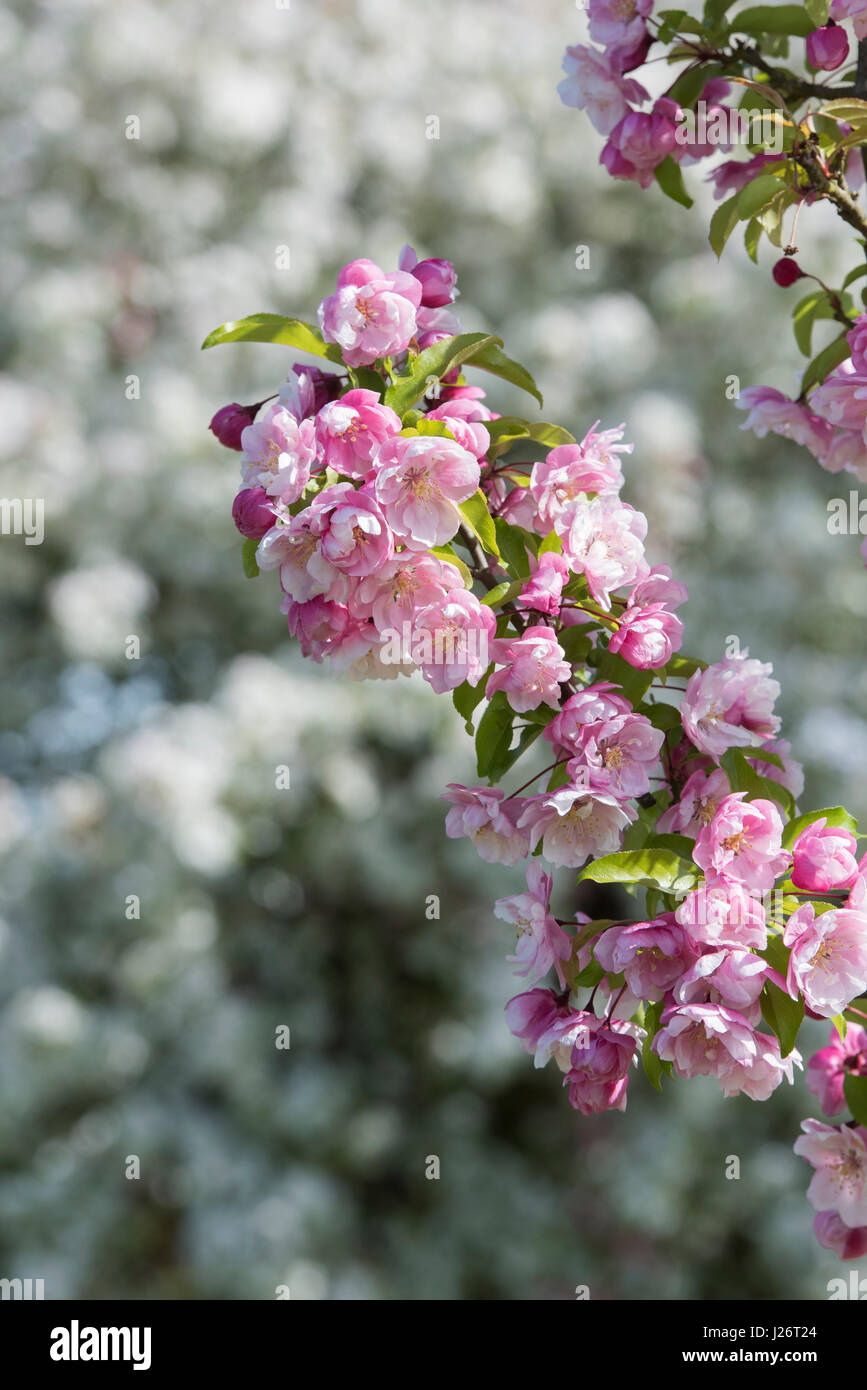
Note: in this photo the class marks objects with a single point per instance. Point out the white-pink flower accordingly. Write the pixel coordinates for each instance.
(734, 978)
(828, 961)
(730, 705)
(652, 956)
(450, 640)
(594, 705)
(710, 1040)
(721, 913)
(604, 539)
(420, 480)
(372, 314)
(542, 942)
(353, 534)
(349, 431)
(533, 668)
(594, 84)
(279, 454)
(700, 796)
(484, 816)
(839, 1156)
(617, 755)
(575, 824)
(410, 581)
(743, 842)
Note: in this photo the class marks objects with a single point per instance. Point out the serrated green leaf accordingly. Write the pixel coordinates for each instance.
(248, 558)
(743, 777)
(836, 816)
(432, 364)
(852, 110)
(782, 1014)
(477, 517)
(756, 195)
(752, 237)
(274, 328)
(669, 176)
(509, 428)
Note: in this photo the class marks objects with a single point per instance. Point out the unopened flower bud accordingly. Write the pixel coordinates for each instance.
(230, 421)
(252, 513)
(437, 279)
(828, 47)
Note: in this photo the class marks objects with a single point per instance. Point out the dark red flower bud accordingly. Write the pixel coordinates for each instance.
(786, 271)
(230, 420)
(253, 513)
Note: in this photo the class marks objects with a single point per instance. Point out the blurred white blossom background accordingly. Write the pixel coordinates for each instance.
(303, 126)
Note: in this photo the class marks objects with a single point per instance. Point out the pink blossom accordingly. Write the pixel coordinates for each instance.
(542, 591)
(824, 858)
(279, 454)
(730, 705)
(723, 913)
(790, 775)
(710, 1040)
(841, 400)
(253, 512)
(542, 942)
(533, 669)
(548, 1026)
(307, 389)
(647, 637)
(856, 10)
(318, 625)
(605, 542)
(857, 339)
(408, 582)
(700, 796)
(772, 410)
(742, 842)
(349, 430)
(849, 1242)
(641, 141)
(437, 278)
(839, 1157)
(432, 325)
(464, 420)
(847, 452)
(734, 174)
(372, 314)
(618, 22)
(734, 978)
(827, 47)
(599, 1071)
(420, 480)
(828, 961)
(485, 817)
(828, 1068)
(595, 704)
(652, 956)
(354, 535)
(594, 84)
(618, 755)
(292, 545)
(658, 586)
(575, 824)
(450, 640)
(574, 470)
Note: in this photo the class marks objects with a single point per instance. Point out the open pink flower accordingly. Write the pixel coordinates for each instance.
(730, 705)
(593, 705)
(372, 314)
(465, 420)
(618, 23)
(542, 942)
(709, 1040)
(824, 858)
(604, 540)
(828, 961)
(354, 535)
(771, 410)
(594, 84)
(543, 590)
(533, 668)
(279, 454)
(618, 755)
(723, 913)
(548, 1025)
(420, 479)
(848, 1242)
(410, 581)
(641, 141)
(450, 640)
(839, 1157)
(652, 956)
(647, 637)
(732, 977)
(482, 815)
(574, 824)
(571, 471)
(743, 842)
(827, 1069)
(349, 430)
(599, 1072)
(700, 796)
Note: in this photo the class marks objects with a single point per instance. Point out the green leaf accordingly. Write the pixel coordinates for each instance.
(274, 328)
(836, 816)
(248, 558)
(670, 179)
(745, 778)
(723, 223)
(575, 644)
(512, 542)
(689, 86)
(632, 682)
(855, 1091)
(492, 360)
(502, 593)
(653, 868)
(821, 366)
(782, 1014)
(849, 109)
(752, 237)
(854, 275)
(552, 543)
(818, 12)
(434, 362)
(424, 426)
(756, 195)
(839, 1022)
(477, 517)
(653, 1065)
(494, 736)
(661, 716)
(814, 305)
(773, 19)
(465, 699)
(682, 666)
(508, 428)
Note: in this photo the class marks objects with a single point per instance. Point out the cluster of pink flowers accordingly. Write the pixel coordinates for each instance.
(362, 511)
